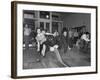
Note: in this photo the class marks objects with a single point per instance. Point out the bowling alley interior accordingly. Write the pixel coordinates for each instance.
(67, 39)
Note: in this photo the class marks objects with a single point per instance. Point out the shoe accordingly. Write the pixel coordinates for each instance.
(69, 48)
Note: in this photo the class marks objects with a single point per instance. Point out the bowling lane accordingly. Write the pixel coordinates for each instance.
(71, 58)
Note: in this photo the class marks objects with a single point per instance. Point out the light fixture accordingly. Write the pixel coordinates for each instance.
(47, 16)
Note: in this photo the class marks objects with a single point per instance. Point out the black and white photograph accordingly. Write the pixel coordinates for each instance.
(56, 39)
(53, 39)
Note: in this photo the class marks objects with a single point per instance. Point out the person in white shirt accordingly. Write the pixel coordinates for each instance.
(41, 40)
(27, 32)
(85, 37)
(84, 40)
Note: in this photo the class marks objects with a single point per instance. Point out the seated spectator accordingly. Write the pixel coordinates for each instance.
(84, 43)
(85, 37)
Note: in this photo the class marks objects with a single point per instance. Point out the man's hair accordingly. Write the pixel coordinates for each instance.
(37, 28)
(87, 33)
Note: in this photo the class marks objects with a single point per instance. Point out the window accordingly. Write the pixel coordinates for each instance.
(44, 14)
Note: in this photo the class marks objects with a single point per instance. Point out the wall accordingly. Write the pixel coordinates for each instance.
(5, 41)
(77, 20)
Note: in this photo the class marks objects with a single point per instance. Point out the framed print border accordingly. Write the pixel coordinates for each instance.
(14, 44)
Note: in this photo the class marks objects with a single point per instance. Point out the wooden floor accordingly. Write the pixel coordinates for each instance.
(72, 58)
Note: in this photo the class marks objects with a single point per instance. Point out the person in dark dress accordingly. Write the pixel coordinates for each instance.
(70, 39)
(75, 35)
(64, 40)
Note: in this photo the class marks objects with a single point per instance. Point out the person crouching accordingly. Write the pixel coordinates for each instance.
(41, 47)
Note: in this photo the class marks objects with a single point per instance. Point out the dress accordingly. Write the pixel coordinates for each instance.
(64, 42)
